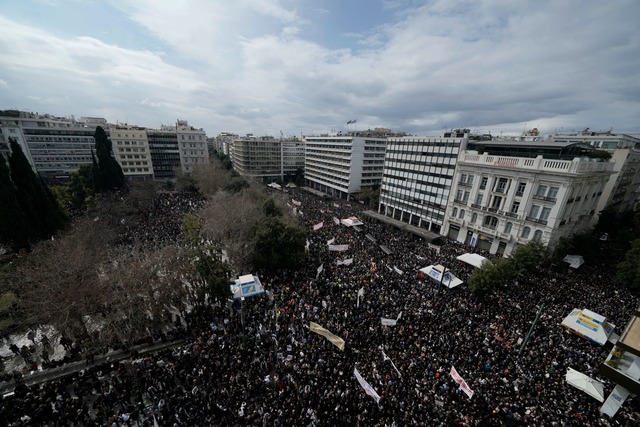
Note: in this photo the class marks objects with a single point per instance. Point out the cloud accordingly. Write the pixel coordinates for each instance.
(247, 66)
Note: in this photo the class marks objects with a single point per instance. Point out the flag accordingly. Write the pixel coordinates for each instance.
(461, 382)
(397, 270)
(330, 242)
(347, 261)
(318, 226)
(385, 357)
(320, 270)
(306, 246)
(335, 340)
(295, 202)
(349, 122)
(336, 221)
(338, 248)
(335, 205)
(155, 422)
(366, 386)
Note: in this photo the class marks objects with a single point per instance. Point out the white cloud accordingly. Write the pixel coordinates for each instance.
(251, 65)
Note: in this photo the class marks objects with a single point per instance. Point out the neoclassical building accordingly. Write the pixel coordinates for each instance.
(502, 200)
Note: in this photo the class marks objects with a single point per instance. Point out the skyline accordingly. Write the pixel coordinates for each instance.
(304, 67)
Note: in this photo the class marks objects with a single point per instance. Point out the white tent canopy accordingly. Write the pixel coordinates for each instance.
(473, 259)
(352, 221)
(435, 272)
(275, 185)
(588, 324)
(585, 383)
(574, 261)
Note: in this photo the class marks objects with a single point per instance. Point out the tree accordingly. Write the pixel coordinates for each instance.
(527, 258)
(13, 228)
(81, 186)
(628, 271)
(492, 276)
(110, 175)
(43, 214)
(211, 177)
(278, 244)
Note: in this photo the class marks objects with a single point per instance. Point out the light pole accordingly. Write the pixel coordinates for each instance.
(533, 325)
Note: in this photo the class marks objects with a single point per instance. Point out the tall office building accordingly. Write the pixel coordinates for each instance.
(55, 146)
(266, 158)
(417, 178)
(342, 165)
(164, 151)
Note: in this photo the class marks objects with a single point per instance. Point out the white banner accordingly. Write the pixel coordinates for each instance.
(330, 242)
(463, 384)
(388, 322)
(347, 261)
(306, 246)
(295, 211)
(295, 202)
(338, 248)
(336, 221)
(366, 386)
(320, 270)
(385, 357)
(360, 294)
(335, 205)
(318, 226)
(397, 270)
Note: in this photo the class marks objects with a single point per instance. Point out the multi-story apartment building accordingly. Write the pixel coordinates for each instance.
(164, 151)
(417, 177)
(193, 145)
(506, 193)
(622, 191)
(223, 142)
(266, 158)
(131, 150)
(55, 146)
(342, 165)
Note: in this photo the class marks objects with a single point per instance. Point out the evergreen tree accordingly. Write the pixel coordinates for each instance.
(109, 171)
(42, 212)
(12, 219)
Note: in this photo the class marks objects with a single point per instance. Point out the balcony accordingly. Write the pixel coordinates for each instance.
(476, 206)
(493, 209)
(519, 193)
(500, 190)
(545, 198)
(460, 201)
(536, 220)
(464, 184)
(511, 214)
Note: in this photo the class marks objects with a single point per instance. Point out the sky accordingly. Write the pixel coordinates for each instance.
(309, 66)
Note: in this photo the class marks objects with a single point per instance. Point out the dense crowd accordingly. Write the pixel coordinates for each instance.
(275, 372)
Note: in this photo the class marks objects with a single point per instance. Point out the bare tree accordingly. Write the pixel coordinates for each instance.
(211, 177)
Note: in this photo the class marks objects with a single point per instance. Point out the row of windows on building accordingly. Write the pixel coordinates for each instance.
(491, 222)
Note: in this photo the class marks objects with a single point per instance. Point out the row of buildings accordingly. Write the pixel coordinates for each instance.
(490, 193)
(487, 192)
(57, 146)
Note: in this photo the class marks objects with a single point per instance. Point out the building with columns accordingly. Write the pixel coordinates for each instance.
(500, 200)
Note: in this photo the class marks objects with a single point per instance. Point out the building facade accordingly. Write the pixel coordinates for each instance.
(193, 146)
(164, 151)
(343, 165)
(417, 178)
(131, 149)
(54, 146)
(622, 192)
(500, 202)
(267, 159)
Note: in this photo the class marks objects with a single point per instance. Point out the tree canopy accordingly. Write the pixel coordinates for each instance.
(109, 175)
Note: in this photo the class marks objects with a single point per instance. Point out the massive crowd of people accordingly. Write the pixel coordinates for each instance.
(259, 364)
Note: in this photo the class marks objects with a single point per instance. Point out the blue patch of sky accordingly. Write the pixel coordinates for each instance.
(70, 19)
(338, 24)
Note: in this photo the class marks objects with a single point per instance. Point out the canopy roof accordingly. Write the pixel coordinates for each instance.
(275, 185)
(588, 324)
(585, 383)
(435, 272)
(351, 221)
(473, 259)
(574, 261)
(246, 286)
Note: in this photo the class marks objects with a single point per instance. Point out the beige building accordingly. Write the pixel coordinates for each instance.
(192, 143)
(131, 150)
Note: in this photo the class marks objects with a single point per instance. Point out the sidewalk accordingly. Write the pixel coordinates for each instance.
(52, 374)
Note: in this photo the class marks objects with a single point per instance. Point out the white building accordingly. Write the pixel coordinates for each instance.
(192, 143)
(501, 201)
(266, 158)
(623, 189)
(131, 150)
(55, 146)
(417, 179)
(342, 165)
